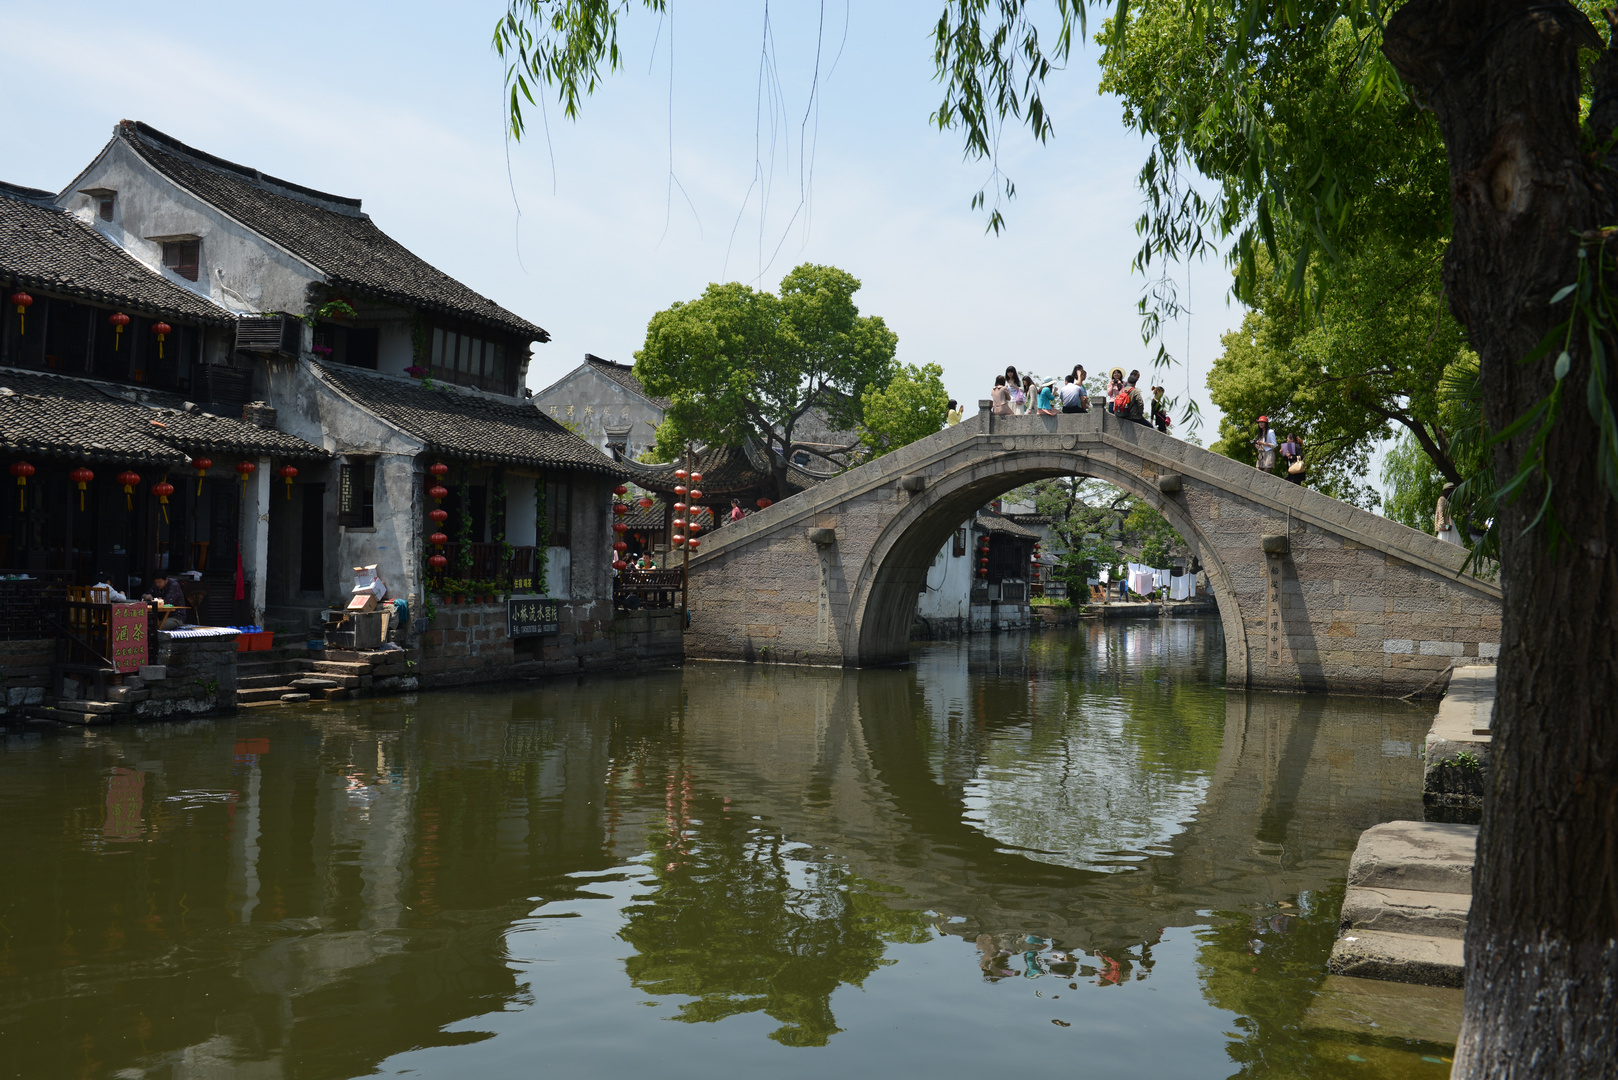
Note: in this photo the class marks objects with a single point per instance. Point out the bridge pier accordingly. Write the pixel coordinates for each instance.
(1315, 595)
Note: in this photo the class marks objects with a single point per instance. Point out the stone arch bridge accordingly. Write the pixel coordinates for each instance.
(1314, 594)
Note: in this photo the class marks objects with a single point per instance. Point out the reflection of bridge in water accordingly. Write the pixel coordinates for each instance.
(848, 771)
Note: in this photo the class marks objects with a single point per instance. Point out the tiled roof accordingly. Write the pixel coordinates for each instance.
(61, 416)
(994, 523)
(624, 376)
(327, 230)
(42, 247)
(463, 424)
(725, 470)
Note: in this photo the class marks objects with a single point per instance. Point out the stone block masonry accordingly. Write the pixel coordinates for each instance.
(467, 643)
(1314, 594)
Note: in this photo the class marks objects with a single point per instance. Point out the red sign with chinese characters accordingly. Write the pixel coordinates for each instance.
(128, 634)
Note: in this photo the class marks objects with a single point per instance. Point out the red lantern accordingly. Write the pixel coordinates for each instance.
(162, 330)
(440, 516)
(680, 474)
(130, 480)
(22, 471)
(678, 540)
(163, 489)
(696, 478)
(82, 477)
(679, 489)
(288, 473)
(678, 523)
(22, 300)
(619, 527)
(202, 465)
(620, 491)
(619, 545)
(438, 468)
(679, 508)
(119, 320)
(438, 562)
(646, 502)
(764, 504)
(693, 543)
(695, 494)
(439, 493)
(245, 469)
(438, 539)
(619, 564)
(693, 528)
(620, 508)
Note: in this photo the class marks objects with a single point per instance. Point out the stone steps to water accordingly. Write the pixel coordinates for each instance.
(1404, 914)
(1384, 1011)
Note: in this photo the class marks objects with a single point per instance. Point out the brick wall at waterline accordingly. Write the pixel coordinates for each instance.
(466, 643)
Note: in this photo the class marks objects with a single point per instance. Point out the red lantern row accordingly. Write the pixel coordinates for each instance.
(438, 515)
(130, 480)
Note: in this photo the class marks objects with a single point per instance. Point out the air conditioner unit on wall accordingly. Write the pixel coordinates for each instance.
(278, 334)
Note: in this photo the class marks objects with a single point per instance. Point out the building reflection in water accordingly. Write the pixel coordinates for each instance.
(313, 892)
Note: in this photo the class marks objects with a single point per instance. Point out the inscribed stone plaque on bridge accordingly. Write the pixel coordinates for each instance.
(1273, 618)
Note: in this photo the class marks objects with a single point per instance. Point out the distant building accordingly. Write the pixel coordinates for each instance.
(605, 405)
(979, 581)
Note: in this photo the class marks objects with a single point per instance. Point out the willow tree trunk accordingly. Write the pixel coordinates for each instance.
(1503, 80)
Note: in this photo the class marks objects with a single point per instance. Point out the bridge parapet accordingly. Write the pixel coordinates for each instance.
(1351, 602)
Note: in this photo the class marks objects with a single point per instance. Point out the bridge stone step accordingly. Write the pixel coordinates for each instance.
(1403, 911)
(1374, 954)
(1418, 856)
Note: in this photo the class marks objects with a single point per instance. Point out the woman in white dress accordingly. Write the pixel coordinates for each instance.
(1444, 521)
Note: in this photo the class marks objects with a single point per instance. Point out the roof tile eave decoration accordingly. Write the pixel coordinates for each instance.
(82, 419)
(327, 231)
(994, 523)
(725, 470)
(45, 248)
(457, 423)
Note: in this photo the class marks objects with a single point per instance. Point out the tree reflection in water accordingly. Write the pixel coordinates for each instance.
(741, 920)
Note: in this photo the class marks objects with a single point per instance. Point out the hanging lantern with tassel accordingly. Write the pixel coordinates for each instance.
(438, 562)
(696, 478)
(202, 465)
(163, 489)
(82, 477)
(119, 320)
(288, 473)
(693, 543)
(680, 474)
(764, 504)
(695, 494)
(438, 539)
(439, 517)
(677, 540)
(439, 493)
(645, 502)
(245, 469)
(162, 330)
(22, 471)
(130, 480)
(22, 300)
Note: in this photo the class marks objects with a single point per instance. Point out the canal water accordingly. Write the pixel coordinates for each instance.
(1067, 852)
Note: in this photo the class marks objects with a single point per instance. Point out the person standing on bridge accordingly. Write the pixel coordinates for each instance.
(1115, 386)
(1000, 397)
(953, 416)
(1160, 411)
(1444, 520)
(1015, 397)
(1265, 444)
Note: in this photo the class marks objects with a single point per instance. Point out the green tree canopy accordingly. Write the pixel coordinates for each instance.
(910, 407)
(740, 363)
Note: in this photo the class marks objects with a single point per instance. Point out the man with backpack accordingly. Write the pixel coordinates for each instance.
(1130, 402)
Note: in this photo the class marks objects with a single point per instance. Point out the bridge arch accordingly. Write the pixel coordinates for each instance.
(1314, 594)
(892, 575)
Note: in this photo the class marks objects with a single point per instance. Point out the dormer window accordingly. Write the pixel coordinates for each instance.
(181, 256)
(104, 205)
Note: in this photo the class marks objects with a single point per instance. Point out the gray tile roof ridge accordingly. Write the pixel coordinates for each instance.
(992, 522)
(350, 249)
(624, 376)
(85, 264)
(407, 404)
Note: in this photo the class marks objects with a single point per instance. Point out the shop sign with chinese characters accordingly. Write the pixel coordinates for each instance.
(128, 635)
(533, 616)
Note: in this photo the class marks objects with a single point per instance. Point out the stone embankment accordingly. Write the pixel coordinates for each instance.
(1457, 749)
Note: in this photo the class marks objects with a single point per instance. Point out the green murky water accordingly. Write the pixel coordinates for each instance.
(1070, 853)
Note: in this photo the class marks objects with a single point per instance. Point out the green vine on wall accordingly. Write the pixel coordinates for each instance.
(500, 493)
(542, 537)
(463, 527)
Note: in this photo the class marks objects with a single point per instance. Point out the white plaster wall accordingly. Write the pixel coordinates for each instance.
(395, 349)
(520, 509)
(255, 537)
(239, 269)
(559, 574)
(949, 585)
(583, 389)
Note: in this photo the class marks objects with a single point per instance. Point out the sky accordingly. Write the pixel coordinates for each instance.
(686, 167)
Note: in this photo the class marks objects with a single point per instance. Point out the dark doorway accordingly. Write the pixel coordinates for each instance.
(312, 540)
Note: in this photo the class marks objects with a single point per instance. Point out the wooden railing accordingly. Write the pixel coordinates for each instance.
(648, 588)
(489, 562)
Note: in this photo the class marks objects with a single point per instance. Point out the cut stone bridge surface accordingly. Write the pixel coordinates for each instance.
(1314, 594)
